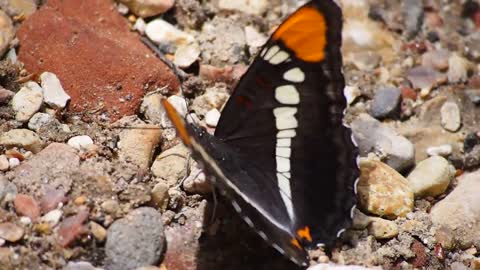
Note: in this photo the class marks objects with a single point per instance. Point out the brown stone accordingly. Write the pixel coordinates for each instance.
(27, 206)
(102, 65)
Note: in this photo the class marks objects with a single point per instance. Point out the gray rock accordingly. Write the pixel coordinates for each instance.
(458, 215)
(372, 136)
(431, 177)
(386, 102)
(450, 116)
(413, 15)
(39, 120)
(136, 240)
(27, 101)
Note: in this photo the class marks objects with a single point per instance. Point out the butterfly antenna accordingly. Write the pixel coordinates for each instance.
(215, 203)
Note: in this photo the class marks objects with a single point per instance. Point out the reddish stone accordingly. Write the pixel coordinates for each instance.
(27, 206)
(71, 228)
(101, 64)
(421, 258)
(229, 74)
(408, 92)
(51, 199)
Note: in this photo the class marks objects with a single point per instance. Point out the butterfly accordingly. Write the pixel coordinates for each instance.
(281, 153)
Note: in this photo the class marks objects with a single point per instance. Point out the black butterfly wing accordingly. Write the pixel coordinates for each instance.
(286, 117)
(257, 202)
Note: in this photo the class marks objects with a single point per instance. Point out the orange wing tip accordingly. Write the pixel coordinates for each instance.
(305, 234)
(295, 242)
(177, 122)
(305, 33)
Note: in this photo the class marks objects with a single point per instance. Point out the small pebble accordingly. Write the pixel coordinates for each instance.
(257, 7)
(160, 195)
(71, 228)
(24, 138)
(413, 12)
(451, 116)
(122, 9)
(360, 220)
(13, 162)
(471, 140)
(80, 142)
(431, 177)
(351, 93)
(171, 165)
(4, 163)
(52, 217)
(27, 206)
(39, 120)
(140, 26)
(425, 78)
(382, 229)
(197, 183)
(27, 101)
(5, 95)
(441, 150)
(110, 206)
(437, 59)
(98, 231)
(366, 61)
(162, 32)
(458, 69)
(186, 55)
(25, 220)
(7, 31)
(53, 93)
(212, 117)
(148, 8)
(386, 102)
(52, 199)
(80, 200)
(253, 37)
(80, 266)
(11, 232)
(179, 104)
(2, 242)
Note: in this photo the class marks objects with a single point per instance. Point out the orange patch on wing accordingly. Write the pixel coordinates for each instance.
(177, 122)
(296, 243)
(305, 33)
(305, 234)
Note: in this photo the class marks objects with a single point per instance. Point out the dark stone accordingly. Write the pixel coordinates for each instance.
(471, 140)
(413, 17)
(386, 103)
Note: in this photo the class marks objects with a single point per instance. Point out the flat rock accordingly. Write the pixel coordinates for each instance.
(451, 116)
(106, 57)
(130, 149)
(148, 8)
(171, 165)
(386, 102)
(10, 232)
(136, 240)
(53, 92)
(39, 120)
(24, 138)
(383, 191)
(53, 166)
(431, 176)
(7, 32)
(27, 101)
(372, 136)
(382, 229)
(458, 215)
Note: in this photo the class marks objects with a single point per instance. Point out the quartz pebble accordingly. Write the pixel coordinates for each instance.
(27, 101)
(431, 176)
(351, 93)
(162, 32)
(212, 117)
(80, 142)
(441, 150)
(24, 138)
(52, 217)
(383, 191)
(53, 92)
(450, 116)
(13, 162)
(148, 8)
(186, 55)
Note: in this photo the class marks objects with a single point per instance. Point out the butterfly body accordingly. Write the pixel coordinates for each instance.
(281, 153)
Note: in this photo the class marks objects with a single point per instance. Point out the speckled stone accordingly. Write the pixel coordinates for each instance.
(383, 191)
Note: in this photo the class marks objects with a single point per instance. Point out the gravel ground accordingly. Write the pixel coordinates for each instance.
(81, 84)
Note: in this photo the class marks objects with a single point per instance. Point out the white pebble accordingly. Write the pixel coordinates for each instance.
(441, 150)
(140, 26)
(122, 9)
(25, 220)
(13, 162)
(2, 242)
(186, 55)
(161, 32)
(351, 93)
(80, 142)
(27, 101)
(450, 116)
(53, 217)
(53, 92)
(179, 104)
(212, 117)
(254, 38)
(4, 164)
